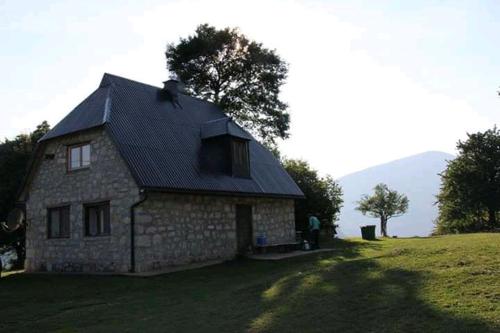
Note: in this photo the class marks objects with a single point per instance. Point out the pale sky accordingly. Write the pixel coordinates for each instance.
(369, 81)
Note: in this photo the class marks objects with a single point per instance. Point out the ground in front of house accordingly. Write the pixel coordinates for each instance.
(439, 284)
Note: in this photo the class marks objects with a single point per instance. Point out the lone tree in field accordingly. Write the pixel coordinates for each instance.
(469, 199)
(239, 75)
(384, 204)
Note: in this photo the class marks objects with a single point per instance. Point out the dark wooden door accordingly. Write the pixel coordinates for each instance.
(244, 228)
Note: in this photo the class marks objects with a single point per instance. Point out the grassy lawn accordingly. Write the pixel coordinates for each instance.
(439, 284)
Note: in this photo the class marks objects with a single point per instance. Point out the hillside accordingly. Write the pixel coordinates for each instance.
(416, 176)
(438, 284)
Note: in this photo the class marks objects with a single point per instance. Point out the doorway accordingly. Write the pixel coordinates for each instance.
(244, 232)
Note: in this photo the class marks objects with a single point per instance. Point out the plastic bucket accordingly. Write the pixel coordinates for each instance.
(261, 240)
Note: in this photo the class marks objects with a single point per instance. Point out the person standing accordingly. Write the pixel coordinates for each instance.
(334, 230)
(314, 226)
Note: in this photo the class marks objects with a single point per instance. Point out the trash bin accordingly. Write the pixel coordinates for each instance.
(368, 232)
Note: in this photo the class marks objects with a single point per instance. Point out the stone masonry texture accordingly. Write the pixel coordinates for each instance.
(107, 179)
(170, 229)
(174, 229)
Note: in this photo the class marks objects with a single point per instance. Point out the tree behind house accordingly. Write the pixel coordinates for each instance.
(469, 198)
(383, 204)
(239, 75)
(14, 158)
(323, 195)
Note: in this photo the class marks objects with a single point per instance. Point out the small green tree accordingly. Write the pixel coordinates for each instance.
(383, 204)
(323, 194)
(240, 75)
(469, 198)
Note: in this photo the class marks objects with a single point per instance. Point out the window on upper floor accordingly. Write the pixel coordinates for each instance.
(58, 222)
(225, 155)
(240, 158)
(97, 221)
(79, 156)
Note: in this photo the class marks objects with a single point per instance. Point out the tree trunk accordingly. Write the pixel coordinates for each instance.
(383, 226)
(492, 218)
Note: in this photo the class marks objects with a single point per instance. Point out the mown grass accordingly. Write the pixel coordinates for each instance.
(439, 284)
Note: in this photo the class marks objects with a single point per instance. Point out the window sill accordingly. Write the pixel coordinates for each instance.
(100, 237)
(78, 169)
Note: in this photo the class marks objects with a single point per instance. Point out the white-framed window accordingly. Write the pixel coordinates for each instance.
(58, 222)
(97, 219)
(79, 156)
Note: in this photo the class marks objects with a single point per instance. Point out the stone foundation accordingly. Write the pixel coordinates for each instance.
(176, 229)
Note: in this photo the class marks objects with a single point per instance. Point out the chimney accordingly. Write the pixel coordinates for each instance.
(173, 87)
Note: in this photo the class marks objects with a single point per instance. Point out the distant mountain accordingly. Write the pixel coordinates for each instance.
(416, 176)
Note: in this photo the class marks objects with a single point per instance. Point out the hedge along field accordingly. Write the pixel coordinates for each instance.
(438, 284)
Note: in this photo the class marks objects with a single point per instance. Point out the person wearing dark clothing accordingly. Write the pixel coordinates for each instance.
(314, 226)
(334, 230)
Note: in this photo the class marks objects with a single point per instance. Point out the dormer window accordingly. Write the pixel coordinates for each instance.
(240, 159)
(225, 148)
(79, 156)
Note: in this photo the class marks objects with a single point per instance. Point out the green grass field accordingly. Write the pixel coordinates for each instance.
(439, 284)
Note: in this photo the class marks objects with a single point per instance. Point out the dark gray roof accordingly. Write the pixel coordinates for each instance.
(89, 113)
(223, 126)
(161, 142)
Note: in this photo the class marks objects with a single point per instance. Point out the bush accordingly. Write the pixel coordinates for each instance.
(323, 195)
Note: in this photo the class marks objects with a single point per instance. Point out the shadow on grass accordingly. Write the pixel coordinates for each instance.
(339, 291)
(349, 248)
(355, 296)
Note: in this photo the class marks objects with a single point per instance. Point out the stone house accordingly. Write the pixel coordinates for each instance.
(138, 178)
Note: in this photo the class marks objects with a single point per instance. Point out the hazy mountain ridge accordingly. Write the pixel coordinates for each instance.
(416, 176)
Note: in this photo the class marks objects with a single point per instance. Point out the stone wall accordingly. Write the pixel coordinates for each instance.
(107, 179)
(174, 229)
(171, 229)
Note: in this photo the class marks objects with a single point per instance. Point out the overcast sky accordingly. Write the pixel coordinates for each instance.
(369, 81)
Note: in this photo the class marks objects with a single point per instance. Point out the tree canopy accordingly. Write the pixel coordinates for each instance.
(469, 198)
(14, 158)
(323, 194)
(241, 76)
(383, 204)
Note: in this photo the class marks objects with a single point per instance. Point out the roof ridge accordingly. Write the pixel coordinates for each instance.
(112, 79)
(107, 107)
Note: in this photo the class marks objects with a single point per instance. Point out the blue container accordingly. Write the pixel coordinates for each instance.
(261, 240)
